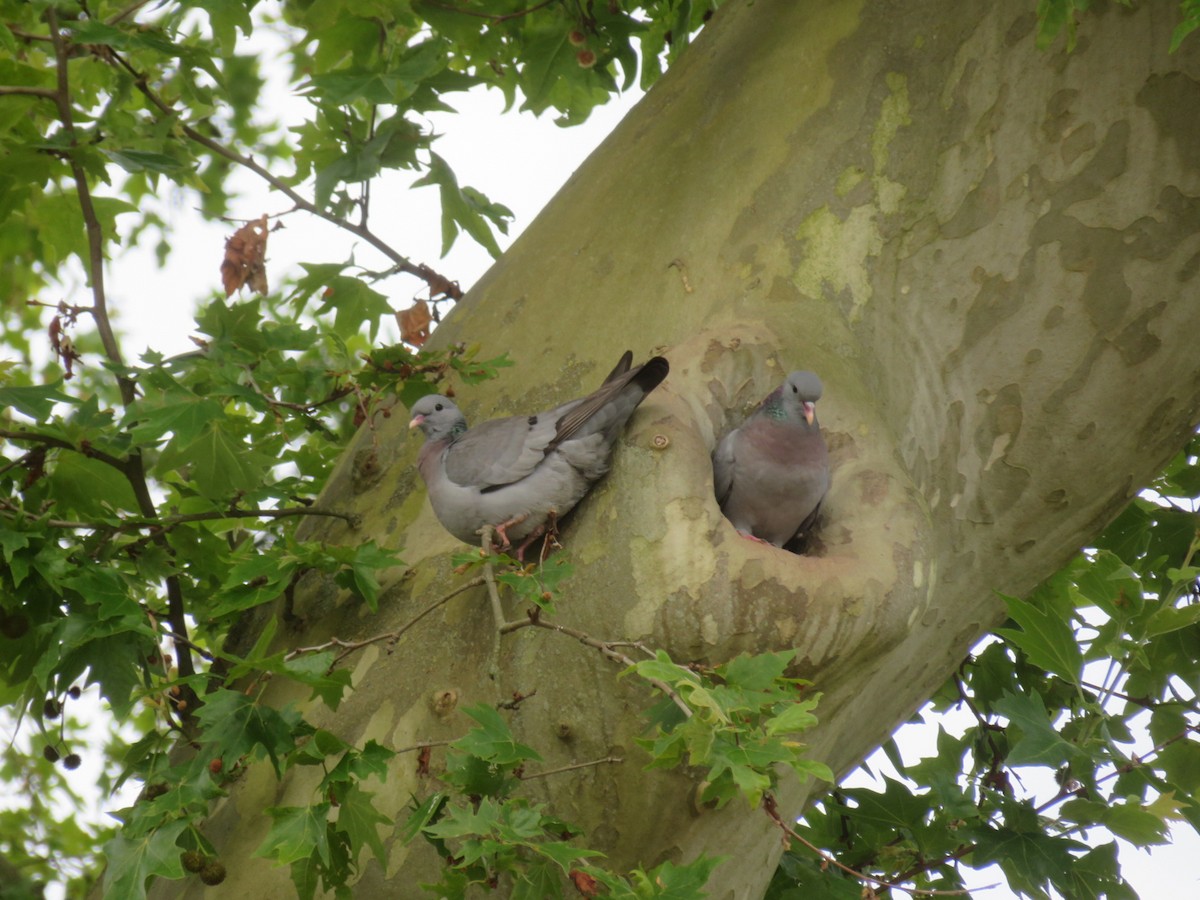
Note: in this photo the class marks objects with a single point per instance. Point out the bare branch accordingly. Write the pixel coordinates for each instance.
(28, 91)
(391, 637)
(47, 441)
(95, 235)
(572, 767)
(435, 281)
(423, 745)
(606, 648)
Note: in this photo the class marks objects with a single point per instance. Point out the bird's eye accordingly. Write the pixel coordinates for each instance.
(795, 390)
(439, 407)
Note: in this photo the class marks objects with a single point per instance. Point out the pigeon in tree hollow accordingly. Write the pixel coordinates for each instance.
(521, 473)
(772, 471)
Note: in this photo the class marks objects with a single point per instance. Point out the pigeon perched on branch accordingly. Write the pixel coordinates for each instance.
(521, 473)
(771, 472)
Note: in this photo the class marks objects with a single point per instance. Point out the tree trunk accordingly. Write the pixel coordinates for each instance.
(988, 252)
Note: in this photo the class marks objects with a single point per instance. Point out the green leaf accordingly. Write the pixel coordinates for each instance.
(1046, 637)
(354, 304)
(1030, 859)
(1172, 618)
(226, 18)
(132, 861)
(88, 487)
(425, 812)
(297, 833)
(465, 209)
(106, 589)
(60, 226)
(147, 161)
(1039, 743)
(758, 672)
(794, 719)
(1136, 824)
(492, 740)
(181, 413)
(234, 726)
(358, 817)
(895, 809)
(312, 669)
(35, 401)
(368, 559)
(664, 882)
(219, 462)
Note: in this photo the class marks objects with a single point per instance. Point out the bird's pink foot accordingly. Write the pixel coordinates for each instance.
(548, 528)
(751, 537)
(502, 532)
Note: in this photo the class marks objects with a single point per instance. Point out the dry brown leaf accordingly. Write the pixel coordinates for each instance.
(245, 261)
(414, 323)
(584, 883)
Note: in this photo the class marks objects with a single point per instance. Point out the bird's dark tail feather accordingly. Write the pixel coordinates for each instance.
(621, 367)
(646, 377)
(651, 374)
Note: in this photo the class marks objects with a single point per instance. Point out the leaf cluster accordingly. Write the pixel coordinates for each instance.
(1081, 725)
(1057, 17)
(491, 837)
(741, 722)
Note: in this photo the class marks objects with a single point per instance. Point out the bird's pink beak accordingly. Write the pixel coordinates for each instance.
(416, 420)
(809, 412)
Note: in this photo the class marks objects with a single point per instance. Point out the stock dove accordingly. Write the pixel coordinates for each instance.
(519, 474)
(771, 472)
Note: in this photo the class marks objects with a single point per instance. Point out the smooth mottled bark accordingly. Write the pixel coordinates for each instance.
(989, 253)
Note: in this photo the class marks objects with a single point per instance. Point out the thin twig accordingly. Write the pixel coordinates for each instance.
(181, 638)
(606, 648)
(572, 767)
(126, 12)
(772, 811)
(29, 36)
(402, 263)
(350, 519)
(349, 647)
(169, 522)
(95, 236)
(1119, 770)
(492, 17)
(423, 746)
(46, 440)
(28, 91)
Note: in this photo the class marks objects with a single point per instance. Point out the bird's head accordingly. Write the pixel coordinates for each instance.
(801, 391)
(437, 417)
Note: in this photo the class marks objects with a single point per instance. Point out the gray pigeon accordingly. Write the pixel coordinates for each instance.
(521, 473)
(771, 473)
